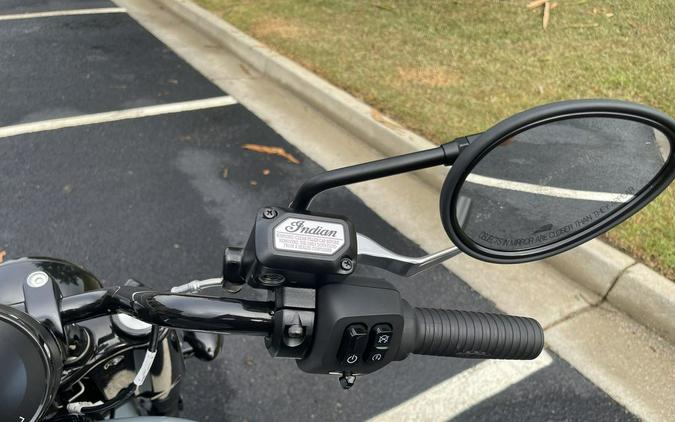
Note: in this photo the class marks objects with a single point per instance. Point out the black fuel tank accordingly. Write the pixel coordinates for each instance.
(71, 278)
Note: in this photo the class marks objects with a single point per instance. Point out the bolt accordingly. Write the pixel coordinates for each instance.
(271, 279)
(269, 213)
(37, 279)
(113, 362)
(347, 264)
(296, 331)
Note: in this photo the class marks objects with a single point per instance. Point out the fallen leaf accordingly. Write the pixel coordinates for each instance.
(264, 149)
(226, 172)
(245, 69)
(379, 117)
(266, 172)
(388, 9)
(609, 15)
(253, 183)
(173, 81)
(535, 3)
(3, 254)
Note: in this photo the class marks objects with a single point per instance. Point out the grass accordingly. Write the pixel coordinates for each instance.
(448, 68)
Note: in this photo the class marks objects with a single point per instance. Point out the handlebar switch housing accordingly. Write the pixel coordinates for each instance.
(286, 248)
(293, 322)
(359, 327)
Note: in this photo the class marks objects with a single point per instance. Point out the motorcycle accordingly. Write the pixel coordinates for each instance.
(539, 183)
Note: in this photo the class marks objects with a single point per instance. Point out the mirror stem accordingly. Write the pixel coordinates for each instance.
(445, 154)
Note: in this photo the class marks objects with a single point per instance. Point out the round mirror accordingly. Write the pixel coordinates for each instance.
(537, 186)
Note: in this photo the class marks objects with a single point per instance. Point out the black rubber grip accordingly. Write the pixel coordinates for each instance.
(442, 332)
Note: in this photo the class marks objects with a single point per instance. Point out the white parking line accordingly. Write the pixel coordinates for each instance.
(549, 190)
(63, 13)
(111, 116)
(465, 390)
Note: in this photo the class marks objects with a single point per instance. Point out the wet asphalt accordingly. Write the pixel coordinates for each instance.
(159, 198)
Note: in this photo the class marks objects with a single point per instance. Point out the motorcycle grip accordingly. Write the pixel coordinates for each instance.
(442, 332)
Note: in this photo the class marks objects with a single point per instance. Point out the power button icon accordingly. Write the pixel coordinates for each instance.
(352, 359)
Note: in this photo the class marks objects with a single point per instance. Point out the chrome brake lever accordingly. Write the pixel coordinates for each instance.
(372, 253)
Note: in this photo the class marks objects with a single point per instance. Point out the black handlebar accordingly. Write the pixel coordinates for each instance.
(441, 332)
(427, 331)
(187, 312)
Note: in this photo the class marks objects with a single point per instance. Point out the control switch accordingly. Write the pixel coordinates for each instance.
(380, 339)
(382, 335)
(353, 346)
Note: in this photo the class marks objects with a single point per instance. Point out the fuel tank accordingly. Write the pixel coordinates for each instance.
(70, 278)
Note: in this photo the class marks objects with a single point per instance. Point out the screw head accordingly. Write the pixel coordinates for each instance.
(346, 264)
(269, 213)
(37, 279)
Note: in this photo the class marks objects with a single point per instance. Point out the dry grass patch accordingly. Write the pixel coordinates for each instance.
(279, 28)
(435, 77)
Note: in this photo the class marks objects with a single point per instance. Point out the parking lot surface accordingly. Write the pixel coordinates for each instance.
(158, 198)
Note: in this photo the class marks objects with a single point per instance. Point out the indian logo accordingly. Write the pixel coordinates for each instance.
(298, 226)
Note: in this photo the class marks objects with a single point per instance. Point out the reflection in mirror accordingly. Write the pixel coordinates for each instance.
(554, 180)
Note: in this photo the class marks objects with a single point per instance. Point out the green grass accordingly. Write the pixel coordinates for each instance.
(448, 68)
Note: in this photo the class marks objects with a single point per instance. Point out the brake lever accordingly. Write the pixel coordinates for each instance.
(372, 253)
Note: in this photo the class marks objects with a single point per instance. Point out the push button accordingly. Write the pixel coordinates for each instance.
(375, 355)
(380, 339)
(382, 335)
(354, 343)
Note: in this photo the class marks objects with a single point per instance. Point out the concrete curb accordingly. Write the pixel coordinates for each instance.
(633, 288)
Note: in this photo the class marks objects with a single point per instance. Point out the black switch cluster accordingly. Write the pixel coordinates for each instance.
(357, 344)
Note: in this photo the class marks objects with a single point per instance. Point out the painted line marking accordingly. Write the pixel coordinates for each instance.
(73, 12)
(458, 394)
(111, 116)
(549, 190)
(662, 143)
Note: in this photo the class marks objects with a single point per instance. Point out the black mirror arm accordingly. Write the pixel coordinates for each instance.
(445, 154)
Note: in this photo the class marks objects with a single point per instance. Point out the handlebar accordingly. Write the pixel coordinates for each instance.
(442, 332)
(187, 312)
(287, 322)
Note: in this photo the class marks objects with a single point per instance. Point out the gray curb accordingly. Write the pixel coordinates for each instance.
(637, 290)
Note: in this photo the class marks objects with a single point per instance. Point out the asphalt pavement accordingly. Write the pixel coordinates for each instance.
(158, 198)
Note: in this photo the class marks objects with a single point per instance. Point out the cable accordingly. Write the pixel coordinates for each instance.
(88, 408)
(76, 376)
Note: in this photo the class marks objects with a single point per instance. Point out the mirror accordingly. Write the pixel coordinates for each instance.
(548, 186)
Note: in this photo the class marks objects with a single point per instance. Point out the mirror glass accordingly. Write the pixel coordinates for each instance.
(554, 180)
